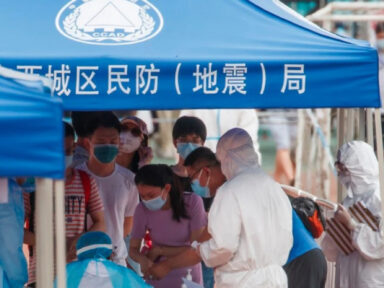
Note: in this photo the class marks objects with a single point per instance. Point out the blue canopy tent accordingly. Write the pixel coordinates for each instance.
(31, 130)
(125, 54)
(172, 54)
(31, 141)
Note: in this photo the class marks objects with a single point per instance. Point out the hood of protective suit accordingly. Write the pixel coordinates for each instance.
(362, 175)
(236, 153)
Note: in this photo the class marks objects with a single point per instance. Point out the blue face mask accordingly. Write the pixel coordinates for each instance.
(155, 203)
(105, 153)
(202, 191)
(184, 149)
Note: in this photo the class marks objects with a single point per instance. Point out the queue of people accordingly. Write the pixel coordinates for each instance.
(215, 217)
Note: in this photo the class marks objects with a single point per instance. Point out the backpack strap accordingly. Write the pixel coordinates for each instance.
(86, 182)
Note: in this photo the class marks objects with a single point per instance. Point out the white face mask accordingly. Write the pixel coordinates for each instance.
(128, 142)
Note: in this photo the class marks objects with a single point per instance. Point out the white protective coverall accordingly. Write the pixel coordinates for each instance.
(219, 121)
(250, 220)
(365, 267)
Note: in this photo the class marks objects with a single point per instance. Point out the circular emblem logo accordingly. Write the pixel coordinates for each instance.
(109, 22)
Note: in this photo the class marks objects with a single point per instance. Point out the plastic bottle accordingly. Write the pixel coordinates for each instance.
(188, 277)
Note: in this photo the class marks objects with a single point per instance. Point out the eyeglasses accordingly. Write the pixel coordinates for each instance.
(135, 131)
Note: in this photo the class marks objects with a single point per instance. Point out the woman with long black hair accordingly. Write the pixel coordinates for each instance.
(173, 218)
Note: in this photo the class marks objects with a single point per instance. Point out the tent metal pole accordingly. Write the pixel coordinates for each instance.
(350, 132)
(370, 127)
(379, 146)
(340, 141)
(362, 125)
(44, 233)
(299, 148)
(60, 233)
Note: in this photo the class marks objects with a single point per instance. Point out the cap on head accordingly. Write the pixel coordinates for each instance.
(137, 122)
(94, 244)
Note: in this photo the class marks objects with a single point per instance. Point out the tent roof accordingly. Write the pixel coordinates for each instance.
(31, 136)
(326, 70)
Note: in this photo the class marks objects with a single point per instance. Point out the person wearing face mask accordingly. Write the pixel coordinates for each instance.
(189, 133)
(206, 176)
(173, 218)
(358, 171)
(134, 151)
(249, 249)
(116, 184)
(81, 198)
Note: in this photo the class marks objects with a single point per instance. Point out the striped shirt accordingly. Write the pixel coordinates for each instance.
(75, 212)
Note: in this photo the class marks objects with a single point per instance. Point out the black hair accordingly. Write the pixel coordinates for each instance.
(104, 119)
(80, 120)
(201, 154)
(189, 125)
(379, 27)
(159, 175)
(68, 130)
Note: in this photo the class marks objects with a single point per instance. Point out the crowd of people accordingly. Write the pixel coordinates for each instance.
(215, 217)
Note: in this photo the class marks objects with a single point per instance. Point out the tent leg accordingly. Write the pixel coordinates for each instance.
(379, 145)
(340, 141)
(370, 127)
(60, 233)
(299, 147)
(362, 125)
(350, 131)
(44, 233)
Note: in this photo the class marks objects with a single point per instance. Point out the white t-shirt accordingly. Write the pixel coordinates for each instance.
(120, 198)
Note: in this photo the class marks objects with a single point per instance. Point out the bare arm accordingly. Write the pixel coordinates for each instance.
(98, 221)
(187, 258)
(134, 253)
(98, 225)
(128, 223)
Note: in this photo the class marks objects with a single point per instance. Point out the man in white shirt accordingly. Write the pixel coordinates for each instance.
(116, 184)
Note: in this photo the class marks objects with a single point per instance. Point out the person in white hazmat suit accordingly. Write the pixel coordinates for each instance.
(358, 171)
(250, 223)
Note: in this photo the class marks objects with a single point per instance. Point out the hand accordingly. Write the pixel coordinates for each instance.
(342, 215)
(71, 249)
(159, 271)
(145, 264)
(154, 253)
(145, 156)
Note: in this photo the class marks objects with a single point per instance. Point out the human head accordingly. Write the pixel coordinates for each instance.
(157, 181)
(188, 134)
(80, 121)
(236, 152)
(94, 244)
(104, 137)
(134, 133)
(69, 143)
(202, 166)
(357, 168)
(380, 36)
